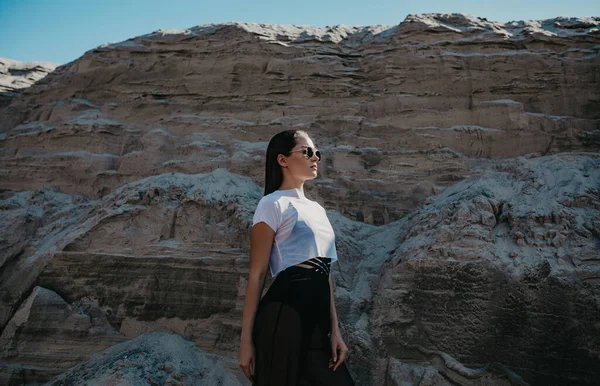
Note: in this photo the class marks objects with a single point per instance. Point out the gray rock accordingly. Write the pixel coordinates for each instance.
(155, 358)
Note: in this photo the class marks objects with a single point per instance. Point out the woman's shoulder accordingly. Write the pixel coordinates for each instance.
(271, 199)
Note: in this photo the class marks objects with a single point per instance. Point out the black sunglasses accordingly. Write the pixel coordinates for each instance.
(309, 152)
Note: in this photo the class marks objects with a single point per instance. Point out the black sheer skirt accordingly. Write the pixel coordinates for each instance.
(291, 330)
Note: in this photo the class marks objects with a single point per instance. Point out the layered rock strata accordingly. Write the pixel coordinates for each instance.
(16, 76)
(47, 336)
(392, 107)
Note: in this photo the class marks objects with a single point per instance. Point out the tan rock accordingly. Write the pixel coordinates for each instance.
(47, 335)
(392, 107)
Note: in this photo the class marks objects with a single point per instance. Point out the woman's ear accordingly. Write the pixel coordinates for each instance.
(282, 161)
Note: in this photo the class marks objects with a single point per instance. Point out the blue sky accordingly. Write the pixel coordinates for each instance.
(62, 30)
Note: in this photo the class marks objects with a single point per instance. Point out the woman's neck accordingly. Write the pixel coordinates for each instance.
(286, 185)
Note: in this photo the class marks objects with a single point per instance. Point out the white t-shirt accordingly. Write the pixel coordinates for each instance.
(302, 229)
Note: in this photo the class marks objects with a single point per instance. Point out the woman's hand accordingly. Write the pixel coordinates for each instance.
(338, 350)
(247, 359)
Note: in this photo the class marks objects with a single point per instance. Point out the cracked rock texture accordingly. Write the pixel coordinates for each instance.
(461, 175)
(502, 268)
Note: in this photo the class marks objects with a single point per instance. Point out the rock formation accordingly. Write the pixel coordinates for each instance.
(47, 336)
(460, 175)
(153, 358)
(16, 76)
(501, 264)
(390, 106)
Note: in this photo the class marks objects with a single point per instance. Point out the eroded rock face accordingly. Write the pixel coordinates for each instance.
(16, 76)
(394, 108)
(46, 336)
(443, 370)
(35, 225)
(129, 178)
(154, 358)
(200, 222)
(502, 264)
(185, 271)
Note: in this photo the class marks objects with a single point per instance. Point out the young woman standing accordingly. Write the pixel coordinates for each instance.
(292, 333)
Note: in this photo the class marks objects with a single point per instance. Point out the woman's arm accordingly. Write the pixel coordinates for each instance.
(338, 347)
(260, 251)
(334, 320)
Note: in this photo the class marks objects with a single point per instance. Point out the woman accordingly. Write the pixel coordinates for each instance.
(292, 333)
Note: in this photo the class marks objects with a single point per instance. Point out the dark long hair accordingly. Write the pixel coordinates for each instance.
(281, 143)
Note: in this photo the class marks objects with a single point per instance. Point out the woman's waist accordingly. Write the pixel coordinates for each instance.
(285, 257)
(299, 284)
(297, 273)
(316, 265)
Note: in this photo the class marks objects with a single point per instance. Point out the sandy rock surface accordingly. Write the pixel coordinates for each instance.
(47, 336)
(395, 109)
(460, 175)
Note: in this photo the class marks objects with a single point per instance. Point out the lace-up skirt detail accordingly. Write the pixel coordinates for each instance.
(321, 265)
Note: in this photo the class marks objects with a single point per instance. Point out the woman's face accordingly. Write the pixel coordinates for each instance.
(298, 164)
